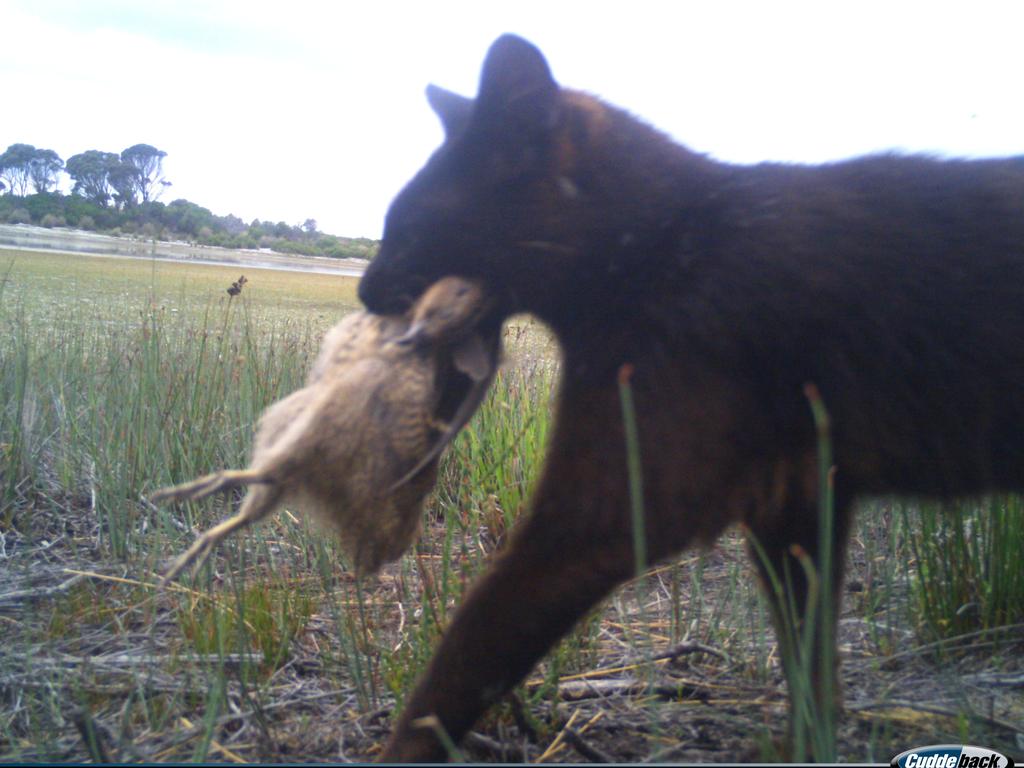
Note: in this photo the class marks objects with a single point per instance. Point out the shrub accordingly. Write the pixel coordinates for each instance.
(39, 205)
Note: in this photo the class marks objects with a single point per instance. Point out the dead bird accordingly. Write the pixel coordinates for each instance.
(358, 445)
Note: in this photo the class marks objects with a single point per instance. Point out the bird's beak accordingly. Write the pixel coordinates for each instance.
(411, 336)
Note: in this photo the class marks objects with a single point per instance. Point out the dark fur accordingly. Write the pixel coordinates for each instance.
(895, 284)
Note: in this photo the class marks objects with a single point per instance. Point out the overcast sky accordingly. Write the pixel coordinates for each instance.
(290, 110)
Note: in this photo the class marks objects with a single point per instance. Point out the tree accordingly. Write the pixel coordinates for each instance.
(121, 178)
(189, 218)
(23, 166)
(233, 225)
(147, 162)
(43, 169)
(309, 225)
(90, 170)
(16, 168)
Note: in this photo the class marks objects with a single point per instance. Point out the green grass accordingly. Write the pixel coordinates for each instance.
(969, 574)
(119, 376)
(807, 630)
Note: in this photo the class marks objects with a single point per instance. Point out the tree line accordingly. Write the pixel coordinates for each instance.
(118, 193)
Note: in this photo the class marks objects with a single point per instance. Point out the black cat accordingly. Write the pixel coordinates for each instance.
(894, 284)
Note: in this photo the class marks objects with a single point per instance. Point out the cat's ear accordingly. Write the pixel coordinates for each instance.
(453, 109)
(517, 90)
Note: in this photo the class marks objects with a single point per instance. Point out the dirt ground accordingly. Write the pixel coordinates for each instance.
(637, 700)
